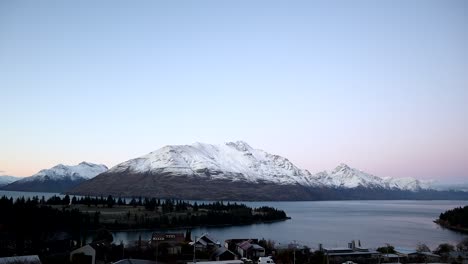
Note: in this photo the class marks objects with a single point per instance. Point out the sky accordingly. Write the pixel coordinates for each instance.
(379, 85)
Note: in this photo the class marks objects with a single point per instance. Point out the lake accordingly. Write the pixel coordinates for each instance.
(334, 223)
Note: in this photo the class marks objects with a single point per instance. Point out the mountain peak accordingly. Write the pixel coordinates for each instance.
(58, 178)
(239, 145)
(342, 167)
(235, 161)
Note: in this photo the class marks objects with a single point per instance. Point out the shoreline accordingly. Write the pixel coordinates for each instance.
(192, 227)
(453, 228)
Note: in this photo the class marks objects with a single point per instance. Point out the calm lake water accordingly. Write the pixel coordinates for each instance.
(334, 223)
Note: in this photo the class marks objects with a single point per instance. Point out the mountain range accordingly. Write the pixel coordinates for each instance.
(236, 171)
(230, 171)
(59, 178)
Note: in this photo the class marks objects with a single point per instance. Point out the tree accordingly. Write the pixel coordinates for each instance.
(103, 235)
(110, 201)
(66, 200)
(463, 245)
(96, 218)
(389, 249)
(423, 248)
(444, 249)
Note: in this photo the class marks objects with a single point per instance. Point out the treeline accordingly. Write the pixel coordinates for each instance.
(457, 217)
(31, 225)
(176, 213)
(167, 213)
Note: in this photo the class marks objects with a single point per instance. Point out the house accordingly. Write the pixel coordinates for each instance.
(248, 249)
(223, 253)
(205, 243)
(32, 259)
(351, 253)
(411, 255)
(85, 254)
(169, 242)
(231, 244)
(390, 258)
(95, 252)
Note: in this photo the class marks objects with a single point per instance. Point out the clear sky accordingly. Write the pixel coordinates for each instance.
(380, 85)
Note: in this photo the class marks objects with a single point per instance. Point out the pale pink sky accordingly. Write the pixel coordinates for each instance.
(382, 86)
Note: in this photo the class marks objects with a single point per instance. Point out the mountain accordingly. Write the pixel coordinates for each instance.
(236, 171)
(451, 186)
(344, 176)
(58, 178)
(233, 161)
(4, 179)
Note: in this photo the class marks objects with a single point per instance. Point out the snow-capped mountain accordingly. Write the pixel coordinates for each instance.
(58, 178)
(84, 170)
(4, 179)
(235, 161)
(408, 183)
(238, 161)
(236, 171)
(344, 176)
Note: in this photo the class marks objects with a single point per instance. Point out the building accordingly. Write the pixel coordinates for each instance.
(248, 249)
(223, 253)
(231, 244)
(353, 252)
(85, 254)
(205, 243)
(169, 242)
(390, 258)
(411, 255)
(32, 259)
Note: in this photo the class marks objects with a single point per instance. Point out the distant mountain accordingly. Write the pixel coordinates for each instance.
(58, 178)
(236, 171)
(4, 179)
(344, 176)
(451, 186)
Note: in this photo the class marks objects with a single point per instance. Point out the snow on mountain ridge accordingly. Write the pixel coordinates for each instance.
(83, 170)
(231, 161)
(6, 179)
(347, 177)
(238, 161)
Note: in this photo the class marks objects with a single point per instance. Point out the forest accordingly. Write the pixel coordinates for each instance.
(456, 218)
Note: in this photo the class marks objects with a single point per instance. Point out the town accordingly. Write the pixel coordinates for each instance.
(184, 247)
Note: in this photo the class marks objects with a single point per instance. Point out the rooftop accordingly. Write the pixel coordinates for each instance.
(32, 259)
